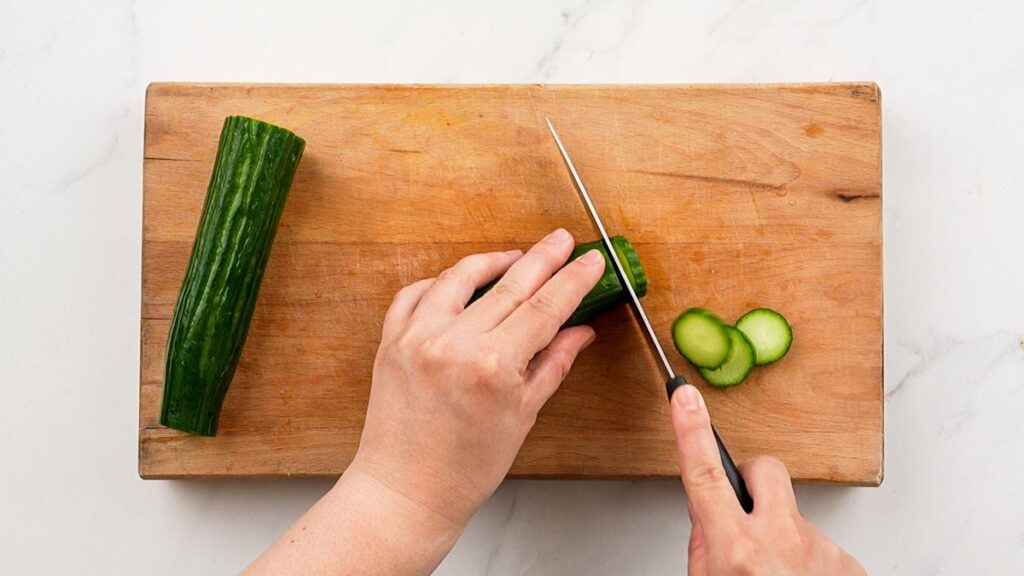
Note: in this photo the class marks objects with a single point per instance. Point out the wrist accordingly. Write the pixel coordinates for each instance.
(423, 481)
(402, 520)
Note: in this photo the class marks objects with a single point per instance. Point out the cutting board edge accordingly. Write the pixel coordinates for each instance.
(164, 469)
(873, 92)
(216, 476)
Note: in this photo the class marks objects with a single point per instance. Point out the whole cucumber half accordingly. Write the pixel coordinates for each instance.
(251, 177)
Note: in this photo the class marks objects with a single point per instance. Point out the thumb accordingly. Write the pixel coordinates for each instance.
(549, 367)
(707, 487)
(696, 552)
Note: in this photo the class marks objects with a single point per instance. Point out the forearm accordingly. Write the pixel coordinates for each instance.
(361, 527)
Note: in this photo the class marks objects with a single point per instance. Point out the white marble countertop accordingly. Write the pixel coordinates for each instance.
(72, 80)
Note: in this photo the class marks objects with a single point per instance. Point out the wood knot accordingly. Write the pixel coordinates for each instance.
(853, 195)
(813, 130)
(865, 92)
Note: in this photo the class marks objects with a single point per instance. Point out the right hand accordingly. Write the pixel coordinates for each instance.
(773, 538)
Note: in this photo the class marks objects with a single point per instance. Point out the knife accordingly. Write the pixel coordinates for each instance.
(672, 380)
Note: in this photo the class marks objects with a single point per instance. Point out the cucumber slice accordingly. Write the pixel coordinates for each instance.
(701, 338)
(736, 367)
(768, 332)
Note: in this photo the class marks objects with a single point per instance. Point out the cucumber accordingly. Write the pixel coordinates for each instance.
(738, 364)
(768, 332)
(608, 292)
(251, 177)
(701, 338)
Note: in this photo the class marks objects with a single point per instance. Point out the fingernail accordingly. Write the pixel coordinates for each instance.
(560, 236)
(591, 257)
(688, 398)
(514, 252)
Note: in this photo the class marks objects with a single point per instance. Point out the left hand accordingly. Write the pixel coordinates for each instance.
(456, 389)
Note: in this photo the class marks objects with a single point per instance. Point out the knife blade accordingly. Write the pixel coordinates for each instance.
(620, 271)
(672, 380)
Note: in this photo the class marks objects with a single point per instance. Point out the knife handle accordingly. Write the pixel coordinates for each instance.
(731, 472)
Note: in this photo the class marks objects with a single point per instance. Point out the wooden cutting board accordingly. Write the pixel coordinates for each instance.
(734, 196)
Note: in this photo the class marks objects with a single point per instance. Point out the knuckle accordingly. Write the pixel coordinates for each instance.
(794, 526)
(404, 342)
(833, 552)
(464, 268)
(398, 295)
(544, 306)
(466, 263)
(774, 465)
(766, 466)
(402, 293)
(559, 360)
(705, 474)
(509, 290)
(403, 346)
(742, 556)
(448, 274)
(474, 261)
(435, 352)
(794, 539)
(563, 360)
(487, 364)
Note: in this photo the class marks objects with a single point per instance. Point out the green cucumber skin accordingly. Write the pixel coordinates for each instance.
(608, 292)
(679, 340)
(252, 175)
(778, 348)
(741, 351)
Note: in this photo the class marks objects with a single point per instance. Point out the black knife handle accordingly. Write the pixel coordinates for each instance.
(738, 485)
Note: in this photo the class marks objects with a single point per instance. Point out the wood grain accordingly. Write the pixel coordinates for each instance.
(734, 196)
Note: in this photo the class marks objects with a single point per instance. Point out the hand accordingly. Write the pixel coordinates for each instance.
(774, 538)
(456, 389)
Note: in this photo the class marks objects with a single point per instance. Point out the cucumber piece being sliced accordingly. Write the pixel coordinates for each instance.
(768, 332)
(701, 338)
(608, 292)
(736, 367)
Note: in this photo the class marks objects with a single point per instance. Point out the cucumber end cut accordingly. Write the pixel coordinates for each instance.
(768, 332)
(193, 425)
(736, 367)
(701, 338)
(634, 270)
